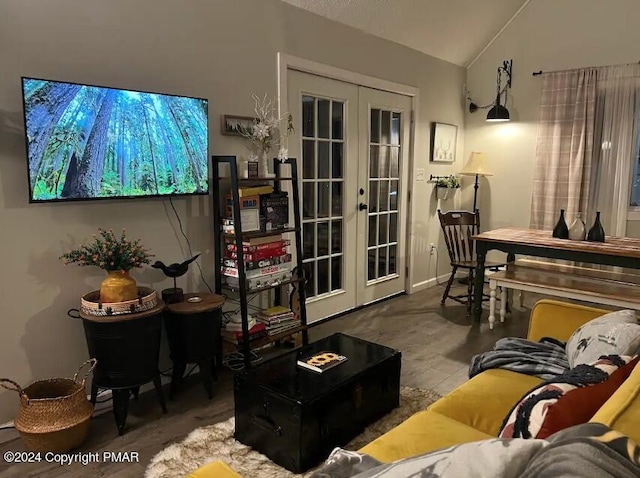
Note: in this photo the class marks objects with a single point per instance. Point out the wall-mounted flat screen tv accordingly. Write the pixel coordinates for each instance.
(92, 142)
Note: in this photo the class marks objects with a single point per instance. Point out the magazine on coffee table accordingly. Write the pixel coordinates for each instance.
(321, 361)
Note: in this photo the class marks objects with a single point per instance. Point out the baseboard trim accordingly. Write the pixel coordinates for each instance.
(368, 304)
(426, 284)
(8, 434)
(103, 405)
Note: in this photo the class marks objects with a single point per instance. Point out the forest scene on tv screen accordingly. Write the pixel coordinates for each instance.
(87, 142)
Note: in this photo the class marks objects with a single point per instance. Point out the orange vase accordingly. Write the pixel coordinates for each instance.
(119, 286)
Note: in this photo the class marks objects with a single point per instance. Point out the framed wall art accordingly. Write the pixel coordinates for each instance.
(233, 125)
(443, 142)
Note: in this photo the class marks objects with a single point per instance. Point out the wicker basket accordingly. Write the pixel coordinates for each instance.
(54, 414)
(91, 305)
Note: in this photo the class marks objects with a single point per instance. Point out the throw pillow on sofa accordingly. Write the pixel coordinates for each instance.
(569, 399)
(616, 333)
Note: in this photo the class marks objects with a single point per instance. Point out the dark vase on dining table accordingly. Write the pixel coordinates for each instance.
(596, 233)
(561, 231)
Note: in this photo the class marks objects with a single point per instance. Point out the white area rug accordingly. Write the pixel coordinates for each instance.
(216, 442)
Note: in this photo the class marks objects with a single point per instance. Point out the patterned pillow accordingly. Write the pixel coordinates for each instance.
(569, 399)
(616, 333)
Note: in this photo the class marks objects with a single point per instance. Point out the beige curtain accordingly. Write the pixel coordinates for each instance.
(615, 146)
(564, 153)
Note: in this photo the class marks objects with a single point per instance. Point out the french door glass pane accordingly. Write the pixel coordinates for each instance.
(336, 199)
(373, 196)
(336, 160)
(382, 262)
(395, 128)
(308, 237)
(386, 127)
(394, 170)
(373, 230)
(375, 126)
(323, 198)
(392, 259)
(384, 170)
(323, 239)
(308, 123)
(336, 273)
(308, 159)
(336, 237)
(393, 227)
(372, 264)
(324, 163)
(384, 161)
(393, 196)
(374, 153)
(384, 195)
(308, 201)
(383, 220)
(336, 120)
(323, 118)
(322, 193)
(323, 276)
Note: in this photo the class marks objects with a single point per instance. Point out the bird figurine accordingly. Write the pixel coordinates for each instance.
(174, 270)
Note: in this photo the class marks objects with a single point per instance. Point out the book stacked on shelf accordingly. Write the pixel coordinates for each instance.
(232, 331)
(277, 319)
(261, 209)
(266, 261)
(275, 210)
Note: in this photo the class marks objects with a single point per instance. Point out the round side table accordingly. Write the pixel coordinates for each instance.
(193, 330)
(127, 347)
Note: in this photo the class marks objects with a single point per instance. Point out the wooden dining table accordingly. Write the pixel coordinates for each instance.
(615, 251)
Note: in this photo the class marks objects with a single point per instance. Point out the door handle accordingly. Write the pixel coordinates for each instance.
(363, 207)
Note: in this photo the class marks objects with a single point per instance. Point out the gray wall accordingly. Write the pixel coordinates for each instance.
(548, 35)
(223, 50)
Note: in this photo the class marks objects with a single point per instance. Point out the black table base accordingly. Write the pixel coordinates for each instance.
(127, 349)
(194, 338)
(120, 397)
(208, 375)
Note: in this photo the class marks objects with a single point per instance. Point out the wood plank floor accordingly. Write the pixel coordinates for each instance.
(436, 342)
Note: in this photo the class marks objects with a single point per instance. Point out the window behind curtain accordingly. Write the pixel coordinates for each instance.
(634, 200)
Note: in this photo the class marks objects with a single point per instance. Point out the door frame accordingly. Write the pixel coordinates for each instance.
(287, 62)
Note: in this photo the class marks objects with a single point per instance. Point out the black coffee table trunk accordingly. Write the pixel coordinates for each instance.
(297, 416)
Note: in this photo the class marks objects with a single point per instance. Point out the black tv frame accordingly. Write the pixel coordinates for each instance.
(116, 198)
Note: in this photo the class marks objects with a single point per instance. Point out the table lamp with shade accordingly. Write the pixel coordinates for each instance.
(476, 166)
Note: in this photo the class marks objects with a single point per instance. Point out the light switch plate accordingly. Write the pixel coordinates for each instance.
(419, 174)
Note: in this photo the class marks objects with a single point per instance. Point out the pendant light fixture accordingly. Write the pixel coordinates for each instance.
(498, 112)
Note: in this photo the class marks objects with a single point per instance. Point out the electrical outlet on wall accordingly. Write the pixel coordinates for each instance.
(432, 249)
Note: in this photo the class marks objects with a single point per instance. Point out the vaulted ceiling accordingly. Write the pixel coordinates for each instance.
(453, 30)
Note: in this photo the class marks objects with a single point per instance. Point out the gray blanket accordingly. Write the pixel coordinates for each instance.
(588, 450)
(544, 359)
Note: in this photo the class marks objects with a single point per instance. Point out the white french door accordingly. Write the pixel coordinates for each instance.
(325, 119)
(384, 131)
(352, 144)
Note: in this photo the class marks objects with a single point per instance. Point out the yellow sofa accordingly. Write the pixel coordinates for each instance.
(475, 410)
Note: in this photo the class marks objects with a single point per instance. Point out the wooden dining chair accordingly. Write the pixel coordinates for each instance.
(458, 227)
